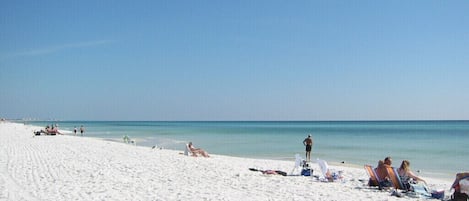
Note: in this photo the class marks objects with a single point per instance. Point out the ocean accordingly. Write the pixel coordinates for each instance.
(437, 149)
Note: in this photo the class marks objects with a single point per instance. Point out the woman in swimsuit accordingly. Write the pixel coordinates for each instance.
(407, 175)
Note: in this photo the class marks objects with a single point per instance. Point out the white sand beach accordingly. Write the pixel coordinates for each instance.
(66, 167)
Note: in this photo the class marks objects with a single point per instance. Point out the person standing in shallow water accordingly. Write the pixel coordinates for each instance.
(308, 142)
(82, 130)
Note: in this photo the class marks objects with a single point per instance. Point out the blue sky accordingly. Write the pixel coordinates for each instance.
(234, 60)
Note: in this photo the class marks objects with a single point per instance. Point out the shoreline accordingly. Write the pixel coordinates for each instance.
(443, 176)
(422, 170)
(66, 167)
(435, 175)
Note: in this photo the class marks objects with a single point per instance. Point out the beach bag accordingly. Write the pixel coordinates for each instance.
(420, 189)
(306, 172)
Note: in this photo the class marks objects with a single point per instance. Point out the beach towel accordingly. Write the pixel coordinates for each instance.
(420, 189)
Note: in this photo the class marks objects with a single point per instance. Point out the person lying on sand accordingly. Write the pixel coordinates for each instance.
(276, 172)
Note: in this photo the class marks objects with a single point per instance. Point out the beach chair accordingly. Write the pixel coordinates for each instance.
(374, 179)
(187, 151)
(395, 179)
(326, 173)
(298, 163)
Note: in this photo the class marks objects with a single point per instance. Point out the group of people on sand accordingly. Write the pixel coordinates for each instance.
(409, 179)
(49, 130)
(53, 129)
(406, 175)
(404, 172)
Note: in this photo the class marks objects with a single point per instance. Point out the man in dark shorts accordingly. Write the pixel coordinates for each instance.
(82, 130)
(308, 142)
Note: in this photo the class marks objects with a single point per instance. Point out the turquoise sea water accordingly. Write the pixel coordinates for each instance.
(437, 148)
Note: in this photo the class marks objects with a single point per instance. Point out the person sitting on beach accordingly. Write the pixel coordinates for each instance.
(49, 130)
(46, 130)
(43, 130)
(382, 172)
(196, 151)
(407, 175)
(460, 191)
(56, 129)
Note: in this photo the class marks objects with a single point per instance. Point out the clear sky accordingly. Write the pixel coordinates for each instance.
(234, 60)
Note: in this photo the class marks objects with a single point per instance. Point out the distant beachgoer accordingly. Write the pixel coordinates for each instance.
(196, 151)
(407, 175)
(75, 130)
(82, 130)
(308, 142)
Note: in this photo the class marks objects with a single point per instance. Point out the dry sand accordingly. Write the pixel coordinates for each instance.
(67, 167)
